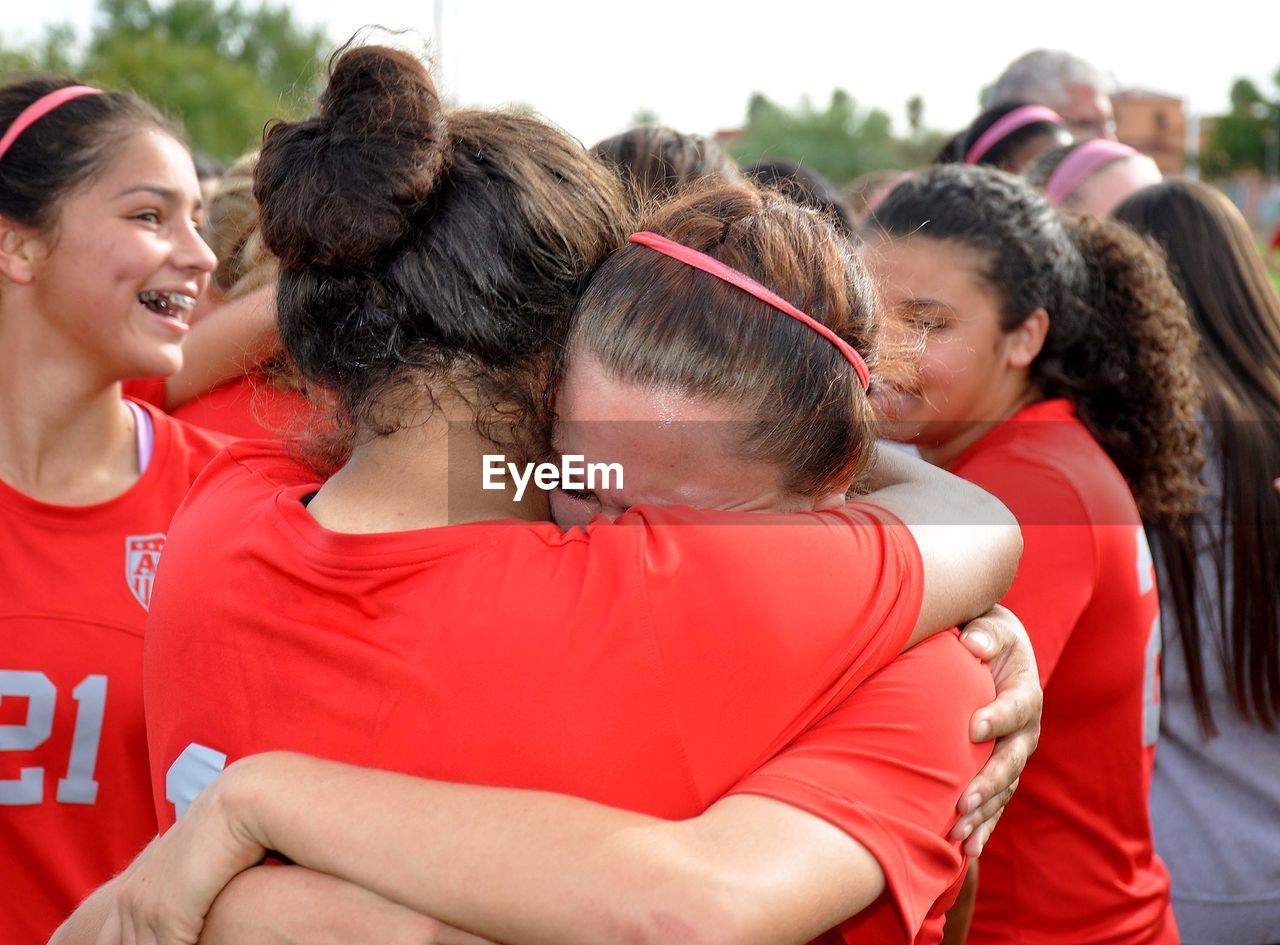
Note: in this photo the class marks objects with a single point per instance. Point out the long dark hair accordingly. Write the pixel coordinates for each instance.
(1120, 345)
(1237, 312)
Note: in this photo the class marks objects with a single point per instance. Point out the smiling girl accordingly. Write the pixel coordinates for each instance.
(99, 264)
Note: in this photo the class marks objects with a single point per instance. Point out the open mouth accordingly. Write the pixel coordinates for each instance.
(173, 305)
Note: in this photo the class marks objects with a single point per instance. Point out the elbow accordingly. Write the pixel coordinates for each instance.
(1011, 543)
(1005, 536)
(694, 903)
(1010, 553)
(703, 917)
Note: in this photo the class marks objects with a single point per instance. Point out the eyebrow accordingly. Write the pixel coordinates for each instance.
(918, 301)
(167, 194)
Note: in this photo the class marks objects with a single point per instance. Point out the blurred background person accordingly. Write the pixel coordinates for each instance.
(1215, 797)
(1008, 136)
(656, 162)
(1092, 176)
(1077, 90)
(806, 187)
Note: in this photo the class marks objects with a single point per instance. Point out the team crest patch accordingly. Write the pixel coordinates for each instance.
(141, 556)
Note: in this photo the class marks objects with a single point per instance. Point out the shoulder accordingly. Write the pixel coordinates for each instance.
(180, 445)
(242, 474)
(857, 540)
(941, 678)
(1044, 470)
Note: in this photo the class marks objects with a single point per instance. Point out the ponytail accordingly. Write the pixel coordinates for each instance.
(1125, 359)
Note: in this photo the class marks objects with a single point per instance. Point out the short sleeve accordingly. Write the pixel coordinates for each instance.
(888, 766)
(1058, 571)
(763, 623)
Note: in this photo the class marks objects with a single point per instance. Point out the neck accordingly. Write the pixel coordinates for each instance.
(945, 454)
(65, 437)
(426, 475)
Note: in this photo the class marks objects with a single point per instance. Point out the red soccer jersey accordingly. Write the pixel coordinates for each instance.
(247, 407)
(1072, 860)
(75, 800)
(887, 766)
(149, 389)
(648, 664)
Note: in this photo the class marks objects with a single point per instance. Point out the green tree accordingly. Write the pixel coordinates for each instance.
(222, 68)
(1248, 136)
(840, 141)
(644, 116)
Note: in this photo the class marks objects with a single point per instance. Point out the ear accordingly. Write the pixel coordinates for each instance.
(832, 500)
(1023, 344)
(20, 250)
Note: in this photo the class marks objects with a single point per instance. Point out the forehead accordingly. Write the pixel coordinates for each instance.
(919, 267)
(147, 158)
(598, 413)
(1106, 189)
(674, 448)
(1085, 101)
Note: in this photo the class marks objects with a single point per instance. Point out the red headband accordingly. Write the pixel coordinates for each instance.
(691, 257)
(39, 108)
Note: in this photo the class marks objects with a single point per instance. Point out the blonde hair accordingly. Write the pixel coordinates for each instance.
(233, 233)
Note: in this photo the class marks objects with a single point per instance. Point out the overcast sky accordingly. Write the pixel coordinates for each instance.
(590, 66)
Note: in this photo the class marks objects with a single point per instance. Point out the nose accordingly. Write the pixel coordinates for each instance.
(191, 252)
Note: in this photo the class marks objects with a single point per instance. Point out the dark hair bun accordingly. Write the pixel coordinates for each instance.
(339, 187)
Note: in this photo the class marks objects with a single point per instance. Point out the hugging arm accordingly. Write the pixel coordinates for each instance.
(786, 856)
(969, 542)
(228, 341)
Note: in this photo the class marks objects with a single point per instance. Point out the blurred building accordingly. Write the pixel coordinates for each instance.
(1155, 124)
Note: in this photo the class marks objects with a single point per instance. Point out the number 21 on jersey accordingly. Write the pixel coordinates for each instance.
(77, 786)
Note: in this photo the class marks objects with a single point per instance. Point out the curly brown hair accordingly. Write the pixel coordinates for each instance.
(1120, 345)
(1141, 395)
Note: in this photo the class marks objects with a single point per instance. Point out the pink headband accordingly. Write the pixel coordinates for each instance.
(39, 108)
(691, 257)
(1079, 164)
(1018, 118)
